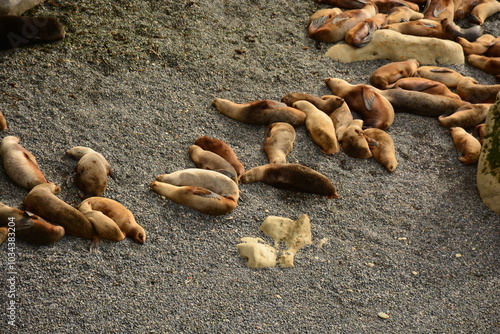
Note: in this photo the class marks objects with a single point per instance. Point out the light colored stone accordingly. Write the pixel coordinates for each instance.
(258, 253)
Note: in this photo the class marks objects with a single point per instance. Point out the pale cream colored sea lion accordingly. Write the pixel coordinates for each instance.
(341, 118)
(327, 103)
(320, 17)
(445, 75)
(466, 144)
(320, 127)
(279, 142)
(366, 100)
(483, 10)
(262, 112)
(120, 215)
(19, 164)
(466, 116)
(479, 46)
(209, 160)
(42, 200)
(402, 14)
(105, 227)
(382, 147)
(362, 33)
(293, 177)
(439, 9)
(219, 147)
(420, 28)
(453, 31)
(3, 122)
(92, 170)
(488, 64)
(425, 86)
(354, 141)
(470, 90)
(385, 76)
(16, 31)
(196, 198)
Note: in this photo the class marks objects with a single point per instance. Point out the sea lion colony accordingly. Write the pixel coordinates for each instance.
(354, 119)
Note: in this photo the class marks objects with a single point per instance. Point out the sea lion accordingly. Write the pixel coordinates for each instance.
(469, 90)
(3, 122)
(445, 75)
(439, 9)
(320, 17)
(453, 31)
(366, 100)
(382, 147)
(483, 10)
(402, 14)
(425, 86)
(19, 164)
(196, 198)
(341, 118)
(42, 200)
(494, 50)
(320, 127)
(466, 144)
(120, 215)
(327, 104)
(466, 116)
(262, 112)
(346, 4)
(422, 28)
(92, 170)
(219, 147)
(29, 228)
(354, 142)
(293, 177)
(488, 64)
(279, 142)
(105, 227)
(362, 33)
(203, 178)
(479, 46)
(17, 7)
(209, 160)
(16, 31)
(385, 76)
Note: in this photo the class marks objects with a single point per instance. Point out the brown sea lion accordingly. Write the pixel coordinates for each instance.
(320, 127)
(402, 14)
(3, 122)
(385, 6)
(19, 164)
(479, 131)
(16, 31)
(320, 17)
(354, 142)
(262, 112)
(219, 147)
(279, 142)
(479, 46)
(488, 64)
(120, 215)
(341, 118)
(385, 76)
(196, 198)
(466, 144)
(494, 50)
(327, 104)
(453, 31)
(425, 86)
(483, 10)
(346, 4)
(439, 9)
(422, 28)
(466, 116)
(92, 170)
(105, 227)
(442, 74)
(470, 90)
(362, 33)
(293, 177)
(209, 160)
(382, 147)
(366, 100)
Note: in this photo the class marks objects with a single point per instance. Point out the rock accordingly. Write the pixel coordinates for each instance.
(259, 254)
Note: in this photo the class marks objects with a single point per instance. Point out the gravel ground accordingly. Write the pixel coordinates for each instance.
(135, 80)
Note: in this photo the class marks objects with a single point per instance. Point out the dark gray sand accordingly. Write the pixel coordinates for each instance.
(135, 80)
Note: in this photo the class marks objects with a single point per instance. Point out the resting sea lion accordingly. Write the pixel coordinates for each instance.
(221, 148)
(279, 142)
(385, 76)
(354, 142)
(425, 86)
(16, 31)
(347, 4)
(362, 33)
(341, 118)
(483, 10)
(453, 31)
(466, 144)
(327, 104)
(470, 90)
(19, 164)
(209, 160)
(494, 50)
(402, 14)
(382, 147)
(439, 10)
(385, 6)
(320, 17)
(293, 177)
(466, 116)
(105, 227)
(3, 122)
(422, 28)
(479, 46)
(445, 75)
(260, 112)
(488, 64)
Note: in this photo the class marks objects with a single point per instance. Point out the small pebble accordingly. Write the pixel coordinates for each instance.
(383, 315)
(458, 255)
(371, 265)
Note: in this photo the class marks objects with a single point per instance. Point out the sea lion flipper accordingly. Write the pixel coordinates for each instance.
(30, 157)
(425, 85)
(94, 245)
(368, 98)
(206, 193)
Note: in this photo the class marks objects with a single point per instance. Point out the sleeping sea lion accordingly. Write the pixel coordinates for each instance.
(425, 86)
(453, 31)
(341, 118)
(488, 64)
(466, 144)
(354, 141)
(382, 147)
(279, 142)
(439, 10)
(402, 14)
(385, 76)
(479, 46)
(445, 75)
(105, 227)
(420, 28)
(466, 116)
(327, 104)
(362, 33)
(222, 149)
(469, 90)
(483, 10)
(209, 160)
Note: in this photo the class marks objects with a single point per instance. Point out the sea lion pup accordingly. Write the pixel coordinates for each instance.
(19, 164)
(366, 100)
(16, 31)
(3, 122)
(196, 198)
(279, 142)
(293, 177)
(219, 147)
(466, 144)
(42, 200)
(320, 17)
(470, 90)
(354, 142)
(262, 112)
(105, 227)
(488, 64)
(209, 160)
(382, 147)
(442, 74)
(479, 46)
(341, 118)
(385, 76)
(120, 215)
(327, 104)
(203, 178)
(453, 31)
(402, 14)
(485, 9)
(92, 170)
(361, 34)
(320, 127)
(425, 86)
(31, 229)
(466, 116)
(422, 28)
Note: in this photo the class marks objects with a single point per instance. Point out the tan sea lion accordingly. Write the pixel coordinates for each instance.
(479, 46)
(320, 17)
(105, 227)
(327, 104)
(196, 198)
(262, 112)
(422, 28)
(320, 127)
(209, 160)
(466, 116)
(354, 142)
(453, 31)
(469, 90)
(402, 14)
(362, 33)
(92, 170)
(385, 6)
(385, 76)
(341, 118)
(42, 200)
(366, 100)
(439, 9)
(445, 75)
(488, 64)
(494, 50)
(120, 215)
(219, 147)
(16, 31)
(19, 164)
(279, 142)
(382, 147)
(293, 177)
(3, 122)
(466, 144)
(425, 86)
(483, 10)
